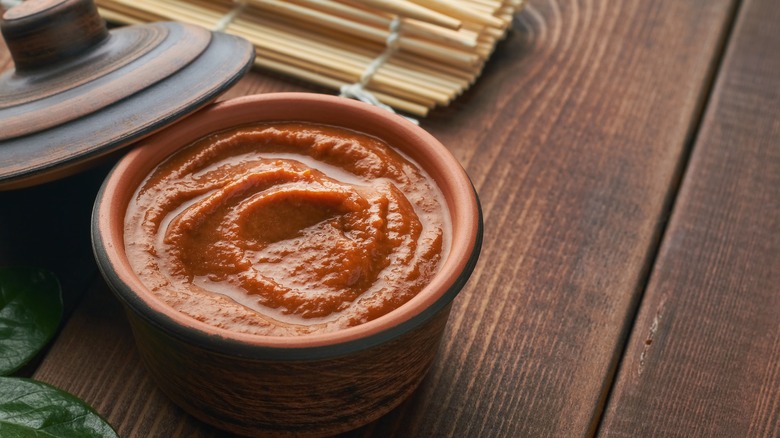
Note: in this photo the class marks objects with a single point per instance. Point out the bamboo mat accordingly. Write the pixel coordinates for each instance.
(412, 55)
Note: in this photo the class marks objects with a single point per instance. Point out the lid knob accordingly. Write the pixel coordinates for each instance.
(40, 33)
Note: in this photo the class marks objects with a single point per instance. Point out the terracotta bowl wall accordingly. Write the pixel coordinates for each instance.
(289, 398)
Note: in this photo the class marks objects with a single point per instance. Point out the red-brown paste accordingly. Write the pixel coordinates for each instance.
(286, 229)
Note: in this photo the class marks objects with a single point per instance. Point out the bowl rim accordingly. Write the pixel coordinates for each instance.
(466, 217)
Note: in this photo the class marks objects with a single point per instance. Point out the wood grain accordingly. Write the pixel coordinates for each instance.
(574, 137)
(704, 355)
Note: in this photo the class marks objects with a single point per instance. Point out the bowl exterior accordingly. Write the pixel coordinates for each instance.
(308, 398)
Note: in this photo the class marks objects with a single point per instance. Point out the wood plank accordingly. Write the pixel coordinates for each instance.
(704, 355)
(573, 137)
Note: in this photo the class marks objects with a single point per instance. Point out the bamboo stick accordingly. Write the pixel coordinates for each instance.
(411, 26)
(406, 8)
(461, 12)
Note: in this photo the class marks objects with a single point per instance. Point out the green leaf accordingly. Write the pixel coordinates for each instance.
(33, 409)
(30, 312)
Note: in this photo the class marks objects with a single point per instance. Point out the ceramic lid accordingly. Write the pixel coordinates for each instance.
(79, 92)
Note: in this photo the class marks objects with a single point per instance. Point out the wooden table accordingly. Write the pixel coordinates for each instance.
(627, 156)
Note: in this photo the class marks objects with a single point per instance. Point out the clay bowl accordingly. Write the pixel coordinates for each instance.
(310, 385)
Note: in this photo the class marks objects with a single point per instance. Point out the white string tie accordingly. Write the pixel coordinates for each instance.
(228, 18)
(358, 89)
